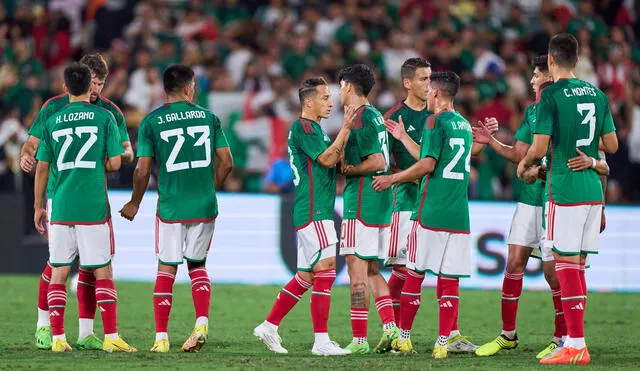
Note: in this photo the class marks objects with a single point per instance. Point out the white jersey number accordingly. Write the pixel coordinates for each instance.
(68, 139)
(448, 172)
(589, 119)
(202, 140)
(294, 169)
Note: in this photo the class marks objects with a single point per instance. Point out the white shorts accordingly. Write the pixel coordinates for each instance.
(399, 232)
(440, 253)
(368, 243)
(93, 243)
(526, 226)
(573, 229)
(178, 241)
(316, 241)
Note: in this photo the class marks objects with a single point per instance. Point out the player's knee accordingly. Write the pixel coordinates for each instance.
(516, 262)
(550, 275)
(373, 268)
(166, 268)
(59, 274)
(324, 264)
(194, 265)
(103, 273)
(307, 276)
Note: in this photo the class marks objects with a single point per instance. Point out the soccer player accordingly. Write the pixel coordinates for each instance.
(183, 137)
(86, 287)
(313, 162)
(438, 242)
(75, 141)
(572, 115)
(412, 113)
(367, 213)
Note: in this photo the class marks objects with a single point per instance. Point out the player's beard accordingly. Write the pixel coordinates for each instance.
(93, 97)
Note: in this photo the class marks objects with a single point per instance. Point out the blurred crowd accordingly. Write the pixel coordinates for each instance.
(250, 55)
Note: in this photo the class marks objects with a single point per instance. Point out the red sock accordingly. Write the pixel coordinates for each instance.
(57, 299)
(162, 300)
(86, 294)
(201, 291)
(583, 281)
(385, 309)
(410, 299)
(287, 298)
(359, 320)
(448, 304)
(561, 325)
(107, 299)
(573, 297)
(511, 291)
(396, 281)
(454, 326)
(44, 287)
(321, 299)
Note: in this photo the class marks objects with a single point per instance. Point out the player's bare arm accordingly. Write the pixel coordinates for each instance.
(610, 142)
(113, 163)
(584, 162)
(515, 153)
(372, 164)
(28, 154)
(128, 155)
(397, 130)
(223, 165)
(140, 182)
(421, 168)
(535, 153)
(40, 213)
(332, 155)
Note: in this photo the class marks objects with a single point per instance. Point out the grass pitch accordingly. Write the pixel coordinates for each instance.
(612, 329)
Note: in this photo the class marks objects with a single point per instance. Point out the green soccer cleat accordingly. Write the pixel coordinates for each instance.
(388, 337)
(548, 350)
(91, 342)
(461, 344)
(496, 345)
(43, 337)
(355, 348)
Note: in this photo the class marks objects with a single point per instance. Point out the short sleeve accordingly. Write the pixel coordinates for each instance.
(608, 126)
(114, 142)
(544, 115)
(367, 136)
(219, 140)
(37, 127)
(122, 126)
(44, 152)
(145, 140)
(524, 133)
(434, 138)
(309, 139)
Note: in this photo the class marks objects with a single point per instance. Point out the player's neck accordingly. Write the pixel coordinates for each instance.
(79, 98)
(415, 103)
(176, 98)
(563, 74)
(442, 106)
(310, 116)
(358, 101)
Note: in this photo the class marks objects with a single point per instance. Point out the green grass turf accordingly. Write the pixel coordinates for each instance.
(612, 327)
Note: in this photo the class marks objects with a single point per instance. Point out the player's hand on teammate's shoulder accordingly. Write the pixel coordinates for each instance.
(396, 129)
(129, 210)
(580, 162)
(349, 116)
(382, 182)
(40, 220)
(27, 163)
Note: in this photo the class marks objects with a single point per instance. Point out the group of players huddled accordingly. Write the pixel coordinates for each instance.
(405, 202)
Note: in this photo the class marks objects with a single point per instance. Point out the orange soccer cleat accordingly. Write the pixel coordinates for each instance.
(569, 356)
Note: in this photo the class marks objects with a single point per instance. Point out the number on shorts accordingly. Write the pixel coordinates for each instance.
(202, 140)
(448, 172)
(68, 139)
(589, 119)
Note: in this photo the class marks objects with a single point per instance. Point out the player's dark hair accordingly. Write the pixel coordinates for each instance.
(97, 64)
(541, 63)
(308, 87)
(360, 75)
(176, 77)
(77, 78)
(564, 50)
(448, 82)
(411, 65)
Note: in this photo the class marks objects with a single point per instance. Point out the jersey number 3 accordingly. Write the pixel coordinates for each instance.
(589, 119)
(202, 140)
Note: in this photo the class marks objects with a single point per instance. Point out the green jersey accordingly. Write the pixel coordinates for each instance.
(54, 105)
(75, 141)
(530, 194)
(405, 194)
(361, 201)
(444, 201)
(182, 137)
(315, 184)
(575, 114)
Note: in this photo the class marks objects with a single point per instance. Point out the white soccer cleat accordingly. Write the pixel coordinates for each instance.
(460, 344)
(330, 348)
(270, 338)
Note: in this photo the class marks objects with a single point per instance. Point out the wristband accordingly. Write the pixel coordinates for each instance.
(593, 163)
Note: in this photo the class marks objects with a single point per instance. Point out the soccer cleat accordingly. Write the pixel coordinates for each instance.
(160, 346)
(461, 344)
(91, 342)
(439, 352)
(355, 348)
(330, 348)
(43, 337)
(60, 345)
(117, 345)
(388, 337)
(568, 356)
(270, 338)
(196, 340)
(402, 346)
(496, 345)
(547, 351)
(555, 351)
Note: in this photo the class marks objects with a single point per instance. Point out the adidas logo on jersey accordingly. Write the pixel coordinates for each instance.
(165, 302)
(415, 302)
(102, 309)
(54, 314)
(203, 288)
(578, 306)
(410, 128)
(446, 304)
